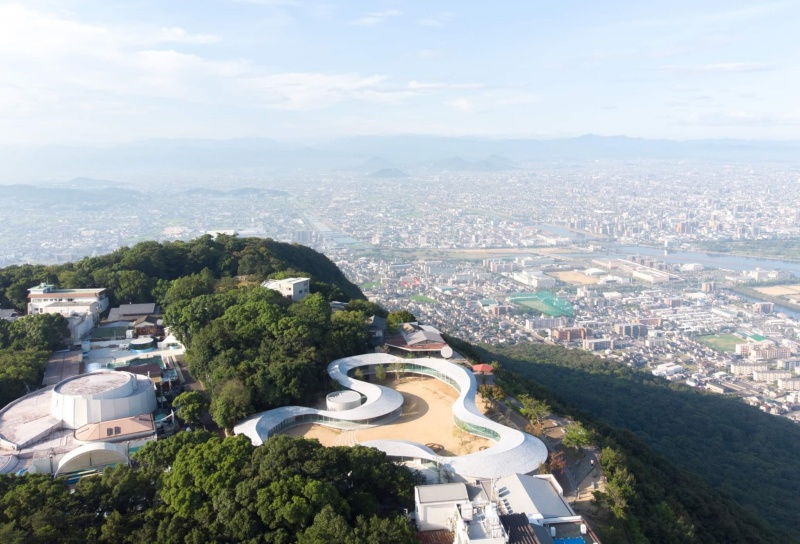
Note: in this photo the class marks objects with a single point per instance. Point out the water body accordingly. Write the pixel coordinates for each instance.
(709, 260)
(559, 231)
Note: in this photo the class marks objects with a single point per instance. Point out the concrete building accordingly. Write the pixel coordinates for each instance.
(81, 307)
(634, 330)
(667, 369)
(598, 344)
(789, 384)
(84, 422)
(770, 376)
(762, 307)
(569, 335)
(747, 369)
(44, 298)
(546, 323)
(535, 279)
(292, 288)
(517, 508)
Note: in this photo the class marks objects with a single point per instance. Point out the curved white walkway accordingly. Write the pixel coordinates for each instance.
(514, 451)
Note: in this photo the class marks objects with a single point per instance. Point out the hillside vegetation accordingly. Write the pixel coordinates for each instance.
(143, 273)
(195, 488)
(252, 348)
(690, 452)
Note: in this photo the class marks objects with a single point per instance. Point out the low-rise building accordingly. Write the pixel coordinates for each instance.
(45, 298)
(769, 376)
(598, 344)
(292, 288)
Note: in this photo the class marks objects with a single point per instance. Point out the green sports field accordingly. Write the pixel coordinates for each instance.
(720, 342)
(544, 302)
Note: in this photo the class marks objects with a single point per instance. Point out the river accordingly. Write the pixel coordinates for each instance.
(709, 260)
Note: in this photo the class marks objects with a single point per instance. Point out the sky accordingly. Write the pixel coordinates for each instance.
(87, 72)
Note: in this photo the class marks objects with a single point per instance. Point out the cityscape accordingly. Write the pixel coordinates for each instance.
(399, 272)
(650, 270)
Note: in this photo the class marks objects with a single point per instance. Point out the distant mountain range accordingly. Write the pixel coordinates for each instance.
(84, 191)
(389, 173)
(186, 159)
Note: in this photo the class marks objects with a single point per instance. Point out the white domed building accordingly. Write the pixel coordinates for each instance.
(101, 396)
(82, 423)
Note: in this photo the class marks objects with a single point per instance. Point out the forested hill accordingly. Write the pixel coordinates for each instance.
(252, 348)
(142, 273)
(683, 442)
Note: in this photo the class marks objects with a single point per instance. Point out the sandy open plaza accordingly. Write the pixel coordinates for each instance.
(574, 277)
(427, 419)
(780, 290)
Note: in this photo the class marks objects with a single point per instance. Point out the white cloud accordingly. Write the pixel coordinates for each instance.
(431, 53)
(718, 68)
(461, 104)
(374, 18)
(435, 20)
(176, 34)
(437, 86)
(62, 63)
(303, 91)
(275, 3)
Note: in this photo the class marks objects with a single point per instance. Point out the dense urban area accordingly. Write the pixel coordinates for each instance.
(689, 270)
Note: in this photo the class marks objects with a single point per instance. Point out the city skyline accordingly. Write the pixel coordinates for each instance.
(89, 73)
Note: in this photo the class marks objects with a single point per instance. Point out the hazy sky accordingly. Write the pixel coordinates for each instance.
(115, 71)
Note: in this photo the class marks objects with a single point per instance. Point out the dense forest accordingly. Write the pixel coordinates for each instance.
(707, 468)
(196, 488)
(143, 273)
(252, 348)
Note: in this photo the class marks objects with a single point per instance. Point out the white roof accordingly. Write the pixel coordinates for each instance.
(536, 496)
(441, 493)
(514, 451)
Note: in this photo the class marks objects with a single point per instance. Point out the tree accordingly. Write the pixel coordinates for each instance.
(556, 462)
(40, 332)
(397, 369)
(380, 373)
(328, 527)
(189, 287)
(19, 371)
(492, 393)
(190, 406)
(230, 403)
(394, 319)
(576, 436)
(131, 286)
(534, 409)
(463, 438)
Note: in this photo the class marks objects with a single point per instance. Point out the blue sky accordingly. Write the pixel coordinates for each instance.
(78, 72)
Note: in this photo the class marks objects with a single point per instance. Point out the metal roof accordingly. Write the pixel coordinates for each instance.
(441, 493)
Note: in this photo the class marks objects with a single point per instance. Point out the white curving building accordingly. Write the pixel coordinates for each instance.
(513, 452)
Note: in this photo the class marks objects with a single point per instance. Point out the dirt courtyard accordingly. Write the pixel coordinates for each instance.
(780, 290)
(575, 277)
(427, 419)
